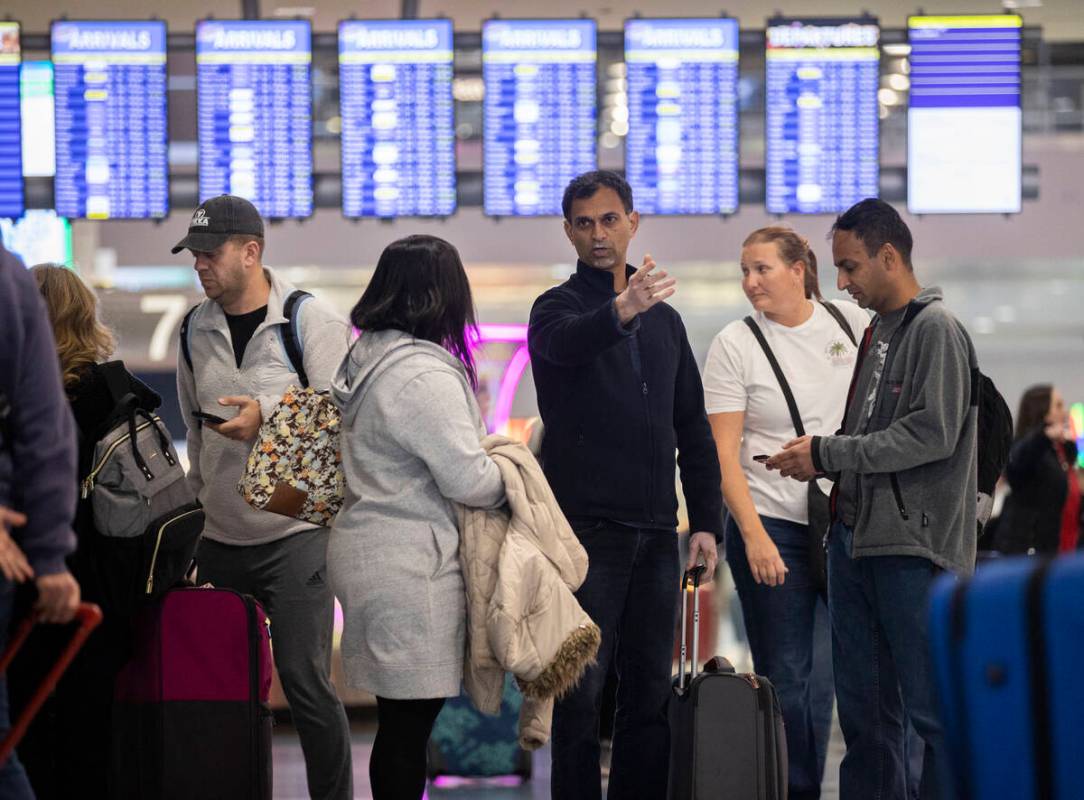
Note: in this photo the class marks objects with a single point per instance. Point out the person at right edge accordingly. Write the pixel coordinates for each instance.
(619, 392)
(904, 504)
(1043, 509)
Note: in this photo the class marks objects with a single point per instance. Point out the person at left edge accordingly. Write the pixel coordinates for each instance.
(239, 362)
(37, 475)
(619, 394)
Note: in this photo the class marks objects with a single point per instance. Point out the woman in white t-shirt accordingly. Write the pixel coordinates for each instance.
(767, 532)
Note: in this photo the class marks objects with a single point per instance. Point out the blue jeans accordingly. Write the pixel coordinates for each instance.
(14, 784)
(791, 642)
(631, 592)
(880, 647)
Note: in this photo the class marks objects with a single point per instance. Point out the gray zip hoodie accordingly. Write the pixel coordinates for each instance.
(915, 458)
(411, 445)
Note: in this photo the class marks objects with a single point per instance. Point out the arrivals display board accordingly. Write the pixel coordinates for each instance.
(681, 149)
(821, 114)
(254, 98)
(12, 200)
(964, 120)
(398, 118)
(110, 117)
(539, 112)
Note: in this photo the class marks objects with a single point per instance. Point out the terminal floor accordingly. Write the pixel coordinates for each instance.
(290, 772)
(290, 767)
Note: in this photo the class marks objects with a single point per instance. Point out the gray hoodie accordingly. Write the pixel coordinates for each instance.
(915, 459)
(411, 445)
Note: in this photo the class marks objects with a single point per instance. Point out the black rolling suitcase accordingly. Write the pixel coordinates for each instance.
(726, 729)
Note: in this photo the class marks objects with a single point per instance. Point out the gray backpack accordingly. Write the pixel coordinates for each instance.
(147, 516)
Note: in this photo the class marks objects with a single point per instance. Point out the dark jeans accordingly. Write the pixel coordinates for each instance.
(878, 608)
(397, 763)
(791, 642)
(631, 593)
(13, 781)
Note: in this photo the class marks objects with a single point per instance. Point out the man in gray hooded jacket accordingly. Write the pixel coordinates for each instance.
(904, 505)
(236, 359)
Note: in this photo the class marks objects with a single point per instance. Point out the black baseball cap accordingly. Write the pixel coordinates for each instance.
(216, 220)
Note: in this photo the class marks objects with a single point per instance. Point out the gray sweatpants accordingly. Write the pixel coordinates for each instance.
(288, 578)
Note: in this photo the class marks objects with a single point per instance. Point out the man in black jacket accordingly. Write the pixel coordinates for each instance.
(619, 392)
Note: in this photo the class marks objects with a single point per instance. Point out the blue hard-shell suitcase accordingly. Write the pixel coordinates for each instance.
(1008, 651)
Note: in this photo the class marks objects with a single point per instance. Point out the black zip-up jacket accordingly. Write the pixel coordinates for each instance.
(616, 403)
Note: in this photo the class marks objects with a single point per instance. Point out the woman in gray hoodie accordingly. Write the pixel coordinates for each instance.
(410, 449)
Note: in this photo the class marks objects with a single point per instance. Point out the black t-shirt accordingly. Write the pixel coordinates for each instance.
(242, 326)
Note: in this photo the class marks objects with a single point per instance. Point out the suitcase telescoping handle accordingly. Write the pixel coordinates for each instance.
(89, 616)
(696, 573)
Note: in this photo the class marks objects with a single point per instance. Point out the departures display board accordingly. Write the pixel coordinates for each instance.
(539, 112)
(681, 149)
(964, 120)
(254, 97)
(398, 118)
(110, 117)
(12, 199)
(821, 114)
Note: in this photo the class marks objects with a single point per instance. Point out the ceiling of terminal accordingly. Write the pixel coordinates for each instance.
(1062, 20)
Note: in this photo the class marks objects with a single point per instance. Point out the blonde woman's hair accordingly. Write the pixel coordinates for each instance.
(81, 337)
(792, 247)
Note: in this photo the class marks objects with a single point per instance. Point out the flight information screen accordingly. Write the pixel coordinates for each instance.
(110, 119)
(821, 114)
(964, 122)
(681, 150)
(39, 123)
(11, 159)
(538, 114)
(398, 118)
(254, 96)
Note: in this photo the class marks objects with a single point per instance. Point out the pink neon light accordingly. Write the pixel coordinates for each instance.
(503, 333)
(502, 409)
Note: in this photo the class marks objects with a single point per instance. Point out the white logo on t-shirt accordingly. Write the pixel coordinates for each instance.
(200, 218)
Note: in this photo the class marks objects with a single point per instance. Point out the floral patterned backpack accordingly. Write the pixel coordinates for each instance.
(295, 469)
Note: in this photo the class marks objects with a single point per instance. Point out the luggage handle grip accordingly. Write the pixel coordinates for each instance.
(89, 616)
(696, 574)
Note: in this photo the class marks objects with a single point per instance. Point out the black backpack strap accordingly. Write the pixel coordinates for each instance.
(792, 406)
(291, 334)
(185, 350)
(837, 315)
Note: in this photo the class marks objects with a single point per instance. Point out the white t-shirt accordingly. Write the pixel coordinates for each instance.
(817, 359)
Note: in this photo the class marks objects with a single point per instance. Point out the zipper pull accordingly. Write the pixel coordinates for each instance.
(645, 387)
(88, 486)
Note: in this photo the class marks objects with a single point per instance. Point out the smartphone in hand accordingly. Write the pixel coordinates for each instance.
(203, 416)
(761, 458)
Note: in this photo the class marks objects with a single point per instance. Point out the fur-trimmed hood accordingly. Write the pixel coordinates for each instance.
(521, 565)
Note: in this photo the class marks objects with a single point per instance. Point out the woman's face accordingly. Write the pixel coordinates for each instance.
(1058, 413)
(770, 284)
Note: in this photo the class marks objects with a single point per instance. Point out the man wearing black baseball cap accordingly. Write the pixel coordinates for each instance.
(216, 220)
(233, 355)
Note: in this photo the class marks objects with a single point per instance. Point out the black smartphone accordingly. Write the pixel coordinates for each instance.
(761, 458)
(212, 418)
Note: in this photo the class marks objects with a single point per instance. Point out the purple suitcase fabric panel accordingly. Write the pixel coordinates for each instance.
(203, 651)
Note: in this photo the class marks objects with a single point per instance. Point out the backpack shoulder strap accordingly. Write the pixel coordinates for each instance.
(186, 350)
(837, 315)
(291, 333)
(792, 406)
